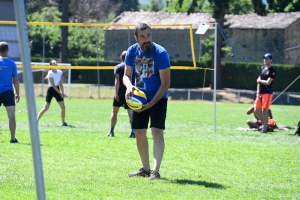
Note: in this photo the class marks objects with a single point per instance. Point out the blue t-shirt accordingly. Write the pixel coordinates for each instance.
(146, 68)
(8, 70)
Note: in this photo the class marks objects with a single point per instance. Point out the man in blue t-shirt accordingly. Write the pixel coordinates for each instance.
(9, 76)
(150, 64)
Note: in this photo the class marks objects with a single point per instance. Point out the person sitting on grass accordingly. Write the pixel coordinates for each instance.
(256, 123)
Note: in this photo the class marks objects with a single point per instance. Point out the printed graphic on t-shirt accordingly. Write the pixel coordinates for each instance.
(144, 68)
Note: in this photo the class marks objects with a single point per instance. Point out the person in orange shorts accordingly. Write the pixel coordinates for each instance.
(264, 91)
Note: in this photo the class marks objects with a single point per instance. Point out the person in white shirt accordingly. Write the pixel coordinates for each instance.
(55, 90)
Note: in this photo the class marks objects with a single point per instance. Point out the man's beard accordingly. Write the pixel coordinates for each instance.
(146, 47)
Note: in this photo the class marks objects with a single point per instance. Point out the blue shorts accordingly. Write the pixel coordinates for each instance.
(157, 115)
(7, 98)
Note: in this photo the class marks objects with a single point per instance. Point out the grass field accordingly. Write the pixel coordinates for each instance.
(82, 163)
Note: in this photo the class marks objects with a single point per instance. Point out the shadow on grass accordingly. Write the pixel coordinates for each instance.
(200, 183)
(20, 143)
(28, 144)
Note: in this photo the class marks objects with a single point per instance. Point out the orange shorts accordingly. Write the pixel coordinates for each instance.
(264, 101)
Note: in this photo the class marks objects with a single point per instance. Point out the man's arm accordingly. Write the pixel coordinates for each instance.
(127, 81)
(17, 88)
(257, 90)
(117, 86)
(165, 78)
(61, 87)
(264, 82)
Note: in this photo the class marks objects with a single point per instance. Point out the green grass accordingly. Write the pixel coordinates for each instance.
(82, 91)
(82, 163)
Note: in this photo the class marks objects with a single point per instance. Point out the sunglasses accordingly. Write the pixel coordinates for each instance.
(54, 63)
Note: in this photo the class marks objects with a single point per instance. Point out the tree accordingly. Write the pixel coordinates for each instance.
(153, 6)
(64, 31)
(99, 10)
(36, 33)
(93, 10)
(283, 5)
(74, 41)
(126, 5)
(33, 6)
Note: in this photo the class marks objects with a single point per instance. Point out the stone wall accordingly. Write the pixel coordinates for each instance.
(8, 33)
(250, 43)
(254, 43)
(292, 39)
(175, 41)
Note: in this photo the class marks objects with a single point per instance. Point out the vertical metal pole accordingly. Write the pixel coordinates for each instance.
(69, 84)
(215, 75)
(128, 31)
(43, 60)
(98, 72)
(199, 48)
(31, 106)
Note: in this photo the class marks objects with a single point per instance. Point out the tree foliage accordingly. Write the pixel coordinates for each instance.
(51, 33)
(221, 7)
(33, 6)
(153, 6)
(283, 5)
(73, 42)
(208, 45)
(81, 40)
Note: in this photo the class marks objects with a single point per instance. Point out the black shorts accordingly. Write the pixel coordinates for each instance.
(157, 115)
(52, 93)
(121, 102)
(7, 98)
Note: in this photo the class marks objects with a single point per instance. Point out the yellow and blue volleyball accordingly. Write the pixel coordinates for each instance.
(140, 95)
(136, 101)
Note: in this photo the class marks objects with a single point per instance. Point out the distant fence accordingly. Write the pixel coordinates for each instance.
(226, 95)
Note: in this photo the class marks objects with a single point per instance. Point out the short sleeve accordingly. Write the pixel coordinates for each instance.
(128, 57)
(164, 60)
(15, 70)
(273, 74)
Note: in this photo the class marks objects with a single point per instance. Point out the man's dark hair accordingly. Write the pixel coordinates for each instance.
(3, 47)
(142, 27)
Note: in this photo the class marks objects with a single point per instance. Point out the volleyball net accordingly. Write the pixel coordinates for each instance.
(98, 42)
(92, 46)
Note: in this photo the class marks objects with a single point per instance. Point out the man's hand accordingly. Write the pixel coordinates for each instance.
(17, 98)
(145, 107)
(258, 80)
(116, 97)
(129, 92)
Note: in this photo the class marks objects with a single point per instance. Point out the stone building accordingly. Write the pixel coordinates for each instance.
(9, 33)
(252, 35)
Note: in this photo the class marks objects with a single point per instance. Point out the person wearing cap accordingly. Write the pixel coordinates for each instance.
(264, 93)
